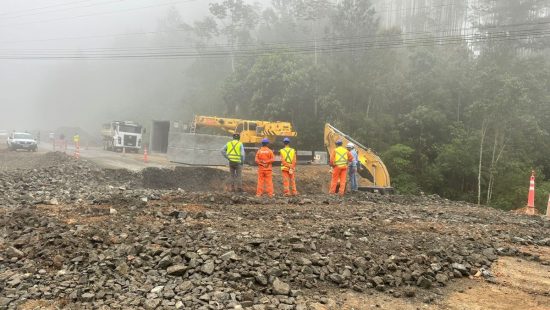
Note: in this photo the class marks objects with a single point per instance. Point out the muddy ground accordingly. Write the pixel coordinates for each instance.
(75, 236)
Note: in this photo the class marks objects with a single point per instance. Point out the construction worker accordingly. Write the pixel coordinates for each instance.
(339, 160)
(288, 168)
(265, 159)
(352, 167)
(233, 151)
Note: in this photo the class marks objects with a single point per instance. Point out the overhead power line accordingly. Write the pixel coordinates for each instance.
(63, 9)
(100, 13)
(452, 30)
(44, 7)
(509, 28)
(328, 48)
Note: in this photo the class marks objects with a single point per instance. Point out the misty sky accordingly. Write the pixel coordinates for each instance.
(46, 94)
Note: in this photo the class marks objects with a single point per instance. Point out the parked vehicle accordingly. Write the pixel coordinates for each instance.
(22, 141)
(122, 135)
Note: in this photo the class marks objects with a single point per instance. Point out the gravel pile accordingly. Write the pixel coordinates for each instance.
(111, 243)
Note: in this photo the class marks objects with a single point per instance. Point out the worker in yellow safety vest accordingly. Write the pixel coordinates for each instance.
(339, 160)
(288, 168)
(233, 151)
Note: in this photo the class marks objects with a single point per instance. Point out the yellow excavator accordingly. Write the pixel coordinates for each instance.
(252, 132)
(374, 176)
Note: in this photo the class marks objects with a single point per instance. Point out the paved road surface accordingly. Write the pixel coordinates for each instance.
(107, 159)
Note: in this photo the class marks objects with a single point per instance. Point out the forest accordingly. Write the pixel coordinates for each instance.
(453, 95)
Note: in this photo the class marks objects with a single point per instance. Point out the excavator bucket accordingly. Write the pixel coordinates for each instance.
(365, 173)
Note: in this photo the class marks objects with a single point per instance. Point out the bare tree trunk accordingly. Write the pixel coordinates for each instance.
(491, 169)
(458, 108)
(482, 141)
(368, 106)
(494, 163)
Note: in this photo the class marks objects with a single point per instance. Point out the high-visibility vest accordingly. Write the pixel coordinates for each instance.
(341, 155)
(234, 151)
(287, 156)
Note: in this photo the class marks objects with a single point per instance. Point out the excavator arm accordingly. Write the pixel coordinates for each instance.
(373, 172)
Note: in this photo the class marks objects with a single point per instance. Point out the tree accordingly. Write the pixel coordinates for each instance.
(235, 20)
(399, 161)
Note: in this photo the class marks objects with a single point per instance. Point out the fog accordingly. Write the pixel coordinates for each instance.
(49, 93)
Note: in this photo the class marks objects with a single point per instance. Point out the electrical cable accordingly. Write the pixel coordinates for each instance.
(255, 53)
(44, 7)
(462, 30)
(290, 44)
(100, 13)
(64, 9)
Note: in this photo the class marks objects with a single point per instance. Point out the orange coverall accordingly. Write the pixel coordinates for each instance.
(288, 168)
(339, 160)
(265, 159)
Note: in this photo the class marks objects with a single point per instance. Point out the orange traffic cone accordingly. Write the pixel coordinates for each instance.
(531, 196)
(145, 155)
(548, 208)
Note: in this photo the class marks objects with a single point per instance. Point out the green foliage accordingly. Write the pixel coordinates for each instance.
(446, 118)
(400, 163)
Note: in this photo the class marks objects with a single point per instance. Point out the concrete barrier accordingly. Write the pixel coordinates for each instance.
(196, 149)
(320, 158)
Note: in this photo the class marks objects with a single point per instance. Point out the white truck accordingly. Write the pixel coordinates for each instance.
(121, 136)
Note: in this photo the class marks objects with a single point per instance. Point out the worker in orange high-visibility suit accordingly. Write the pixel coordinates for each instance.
(265, 159)
(288, 168)
(339, 160)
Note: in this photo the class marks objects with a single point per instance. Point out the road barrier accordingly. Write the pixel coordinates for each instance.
(77, 150)
(145, 155)
(531, 196)
(60, 145)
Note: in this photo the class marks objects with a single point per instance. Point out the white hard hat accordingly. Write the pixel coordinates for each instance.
(350, 145)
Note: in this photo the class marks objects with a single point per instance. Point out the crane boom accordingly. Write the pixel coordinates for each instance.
(252, 132)
(375, 175)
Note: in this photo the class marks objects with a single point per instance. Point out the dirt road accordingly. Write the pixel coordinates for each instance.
(115, 160)
(77, 236)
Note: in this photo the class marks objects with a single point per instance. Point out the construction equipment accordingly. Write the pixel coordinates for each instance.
(122, 136)
(373, 172)
(251, 132)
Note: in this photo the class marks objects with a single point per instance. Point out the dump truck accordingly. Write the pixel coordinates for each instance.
(121, 136)
(373, 174)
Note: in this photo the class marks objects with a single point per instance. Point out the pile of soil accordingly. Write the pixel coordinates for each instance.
(195, 179)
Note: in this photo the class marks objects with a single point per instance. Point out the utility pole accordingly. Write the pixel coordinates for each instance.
(314, 39)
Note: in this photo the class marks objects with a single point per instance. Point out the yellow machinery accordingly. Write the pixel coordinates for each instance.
(252, 132)
(373, 172)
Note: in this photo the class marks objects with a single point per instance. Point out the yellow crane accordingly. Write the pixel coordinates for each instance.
(252, 132)
(374, 174)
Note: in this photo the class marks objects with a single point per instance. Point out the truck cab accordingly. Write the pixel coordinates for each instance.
(121, 136)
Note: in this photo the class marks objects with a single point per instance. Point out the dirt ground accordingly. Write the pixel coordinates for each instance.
(102, 237)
